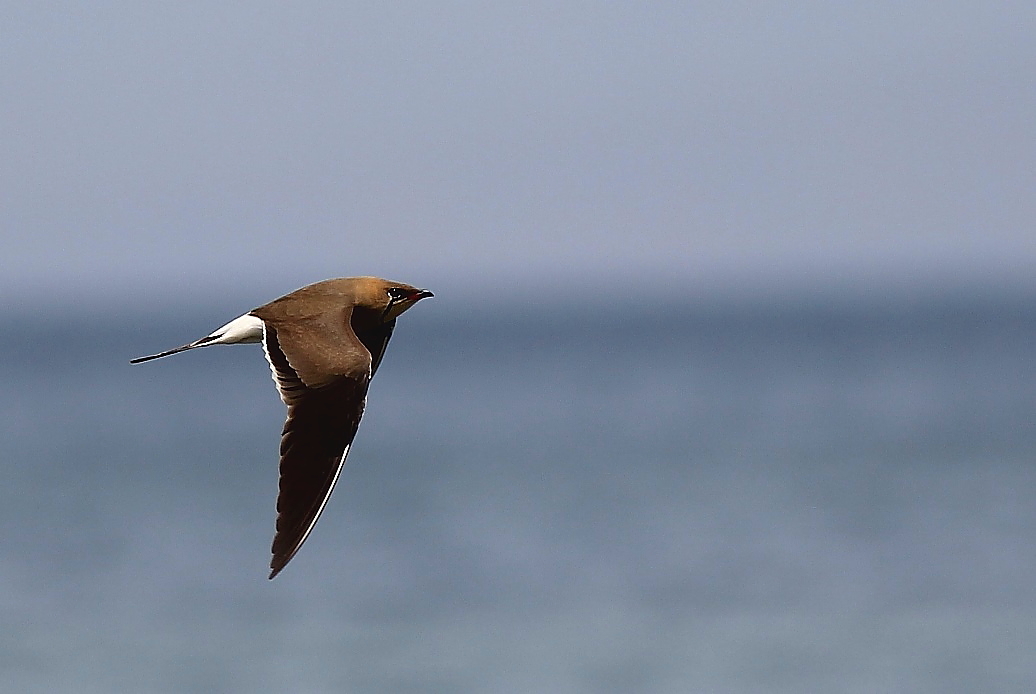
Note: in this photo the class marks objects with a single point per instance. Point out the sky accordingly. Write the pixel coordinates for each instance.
(154, 151)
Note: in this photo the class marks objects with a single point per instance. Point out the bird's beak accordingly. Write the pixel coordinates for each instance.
(420, 294)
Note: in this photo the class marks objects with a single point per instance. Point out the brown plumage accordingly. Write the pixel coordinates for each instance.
(324, 342)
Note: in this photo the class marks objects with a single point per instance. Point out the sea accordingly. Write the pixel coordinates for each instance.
(781, 496)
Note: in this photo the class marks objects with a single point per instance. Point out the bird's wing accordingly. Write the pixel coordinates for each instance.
(321, 372)
(376, 340)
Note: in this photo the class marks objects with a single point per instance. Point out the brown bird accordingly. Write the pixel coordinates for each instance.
(323, 342)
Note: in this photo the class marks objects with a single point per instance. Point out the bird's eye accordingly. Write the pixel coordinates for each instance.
(396, 293)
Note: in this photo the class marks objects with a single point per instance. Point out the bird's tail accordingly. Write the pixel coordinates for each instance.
(244, 329)
(176, 350)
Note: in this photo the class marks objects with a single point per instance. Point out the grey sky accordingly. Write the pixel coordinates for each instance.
(148, 147)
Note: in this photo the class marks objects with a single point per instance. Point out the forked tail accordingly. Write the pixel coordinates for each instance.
(176, 350)
(242, 330)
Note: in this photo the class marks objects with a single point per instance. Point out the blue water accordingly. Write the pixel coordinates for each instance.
(783, 498)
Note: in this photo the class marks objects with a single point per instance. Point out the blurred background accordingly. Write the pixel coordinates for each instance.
(727, 385)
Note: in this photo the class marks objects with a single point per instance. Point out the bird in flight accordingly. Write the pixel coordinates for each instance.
(324, 343)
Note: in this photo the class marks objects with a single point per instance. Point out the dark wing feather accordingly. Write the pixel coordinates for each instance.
(376, 339)
(318, 432)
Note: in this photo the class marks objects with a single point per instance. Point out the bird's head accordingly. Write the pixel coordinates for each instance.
(387, 298)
